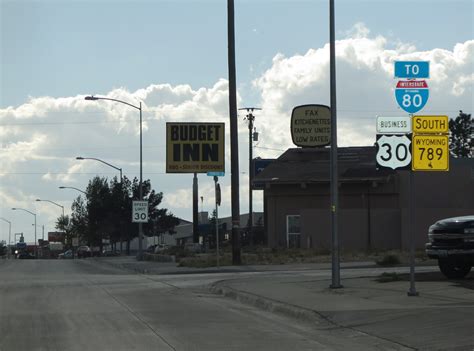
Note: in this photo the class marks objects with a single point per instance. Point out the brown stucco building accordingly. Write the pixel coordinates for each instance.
(373, 204)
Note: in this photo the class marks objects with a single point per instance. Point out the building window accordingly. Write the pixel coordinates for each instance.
(293, 231)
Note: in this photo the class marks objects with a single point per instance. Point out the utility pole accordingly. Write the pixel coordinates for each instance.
(336, 278)
(234, 141)
(250, 119)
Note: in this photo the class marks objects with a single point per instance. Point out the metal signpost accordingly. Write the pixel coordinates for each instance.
(217, 188)
(412, 95)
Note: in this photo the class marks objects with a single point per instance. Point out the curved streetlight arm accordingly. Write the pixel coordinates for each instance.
(105, 163)
(71, 187)
(54, 203)
(93, 98)
(16, 208)
(6, 220)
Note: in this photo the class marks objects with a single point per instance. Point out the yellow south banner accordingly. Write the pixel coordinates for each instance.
(195, 147)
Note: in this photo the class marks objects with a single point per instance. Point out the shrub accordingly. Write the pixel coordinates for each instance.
(388, 260)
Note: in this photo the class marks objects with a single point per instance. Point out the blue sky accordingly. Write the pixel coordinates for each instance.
(64, 48)
(172, 56)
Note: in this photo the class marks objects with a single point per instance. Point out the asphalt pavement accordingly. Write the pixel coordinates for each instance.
(121, 304)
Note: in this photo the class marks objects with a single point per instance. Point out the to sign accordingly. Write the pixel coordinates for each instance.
(311, 125)
(393, 151)
(430, 124)
(430, 153)
(140, 212)
(412, 69)
(412, 95)
(394, 125)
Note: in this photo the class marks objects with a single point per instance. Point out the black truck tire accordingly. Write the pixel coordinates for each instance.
(454, 269)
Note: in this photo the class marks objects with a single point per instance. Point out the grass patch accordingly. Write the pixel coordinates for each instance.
(388, 260)
(388, 277)
(205, 261)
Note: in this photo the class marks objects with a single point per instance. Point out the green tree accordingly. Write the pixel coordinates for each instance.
(461, 138)
(107, 212)
(121, 208)
(63, 224)
(160, 220)
(79, 220)
(99, 211)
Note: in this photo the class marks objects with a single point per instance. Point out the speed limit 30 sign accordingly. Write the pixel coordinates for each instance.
(140, 211)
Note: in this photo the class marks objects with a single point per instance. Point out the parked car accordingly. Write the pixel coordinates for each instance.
(84, 251)
(25, 256)
(110, 253)
(160, 248)
(151, 248)
(66, 254)
(451, 242)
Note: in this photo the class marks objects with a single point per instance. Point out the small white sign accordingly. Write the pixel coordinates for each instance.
(140, 212)
(394, 125)
(75, 242)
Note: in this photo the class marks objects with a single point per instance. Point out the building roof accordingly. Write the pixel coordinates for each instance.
(311, 165)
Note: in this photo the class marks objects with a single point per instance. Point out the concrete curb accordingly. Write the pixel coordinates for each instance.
(122, 266)
(274, 306)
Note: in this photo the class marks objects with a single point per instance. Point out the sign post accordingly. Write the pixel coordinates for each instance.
(411, 95)
(217, 188)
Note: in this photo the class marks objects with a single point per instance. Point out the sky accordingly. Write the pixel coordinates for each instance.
(172, 57)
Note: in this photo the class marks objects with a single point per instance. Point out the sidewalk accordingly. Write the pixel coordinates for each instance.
(441, 317)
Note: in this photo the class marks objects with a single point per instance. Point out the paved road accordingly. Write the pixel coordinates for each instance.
(85, 305)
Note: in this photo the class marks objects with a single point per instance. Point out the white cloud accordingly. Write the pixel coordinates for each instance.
(365, 85)
(41, 138)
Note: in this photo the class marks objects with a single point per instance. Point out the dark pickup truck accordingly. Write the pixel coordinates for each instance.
(451, 242)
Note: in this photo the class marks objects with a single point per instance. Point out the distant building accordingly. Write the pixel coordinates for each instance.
(373, 204)
(184, 231)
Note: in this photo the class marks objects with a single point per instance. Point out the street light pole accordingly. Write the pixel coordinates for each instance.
(9, 229)
(106, 163)
(54, 203)
(34, 214)
(140, 185)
